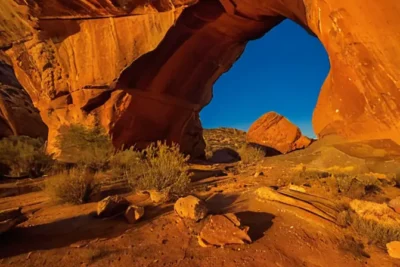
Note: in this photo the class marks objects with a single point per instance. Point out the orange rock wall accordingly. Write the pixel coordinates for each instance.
(145, 69)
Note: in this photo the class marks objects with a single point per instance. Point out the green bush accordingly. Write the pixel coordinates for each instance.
(89, 147)
(74, 186)
(249, 154)
(163, 168)
(25, 156)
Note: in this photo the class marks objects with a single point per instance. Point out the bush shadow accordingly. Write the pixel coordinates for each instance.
(65, 232)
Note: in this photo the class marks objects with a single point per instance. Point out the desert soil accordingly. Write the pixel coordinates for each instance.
(283, 235)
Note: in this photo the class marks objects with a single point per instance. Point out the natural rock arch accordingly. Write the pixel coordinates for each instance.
(144, 70)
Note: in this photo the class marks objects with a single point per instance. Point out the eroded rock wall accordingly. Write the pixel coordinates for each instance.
(18, 116)
(143, 70)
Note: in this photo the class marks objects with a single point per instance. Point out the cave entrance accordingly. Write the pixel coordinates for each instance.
(283, 71)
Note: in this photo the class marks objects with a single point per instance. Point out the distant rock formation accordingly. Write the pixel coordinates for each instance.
(273, 130)
(144, 69)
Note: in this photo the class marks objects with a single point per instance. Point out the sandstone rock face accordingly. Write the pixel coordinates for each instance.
(111, 206)
(18, 116)
(275, 131)
(143, 70)
(191, 207)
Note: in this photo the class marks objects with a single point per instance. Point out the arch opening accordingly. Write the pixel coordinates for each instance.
(282, 71)
(170, 85)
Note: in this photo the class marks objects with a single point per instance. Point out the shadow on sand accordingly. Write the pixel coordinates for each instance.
(63, 233)
(259, 222)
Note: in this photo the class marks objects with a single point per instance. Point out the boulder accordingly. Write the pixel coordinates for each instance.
(393, 249)
(156, 79)
(191, 207)
(275, 131)
(395, 204)
(134, 213)
(11, 218)
(221, 230)
(112, 205)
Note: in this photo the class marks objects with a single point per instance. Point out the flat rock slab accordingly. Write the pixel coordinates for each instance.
(221, 230)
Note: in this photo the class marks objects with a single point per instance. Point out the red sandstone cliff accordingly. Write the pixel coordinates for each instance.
(144, 69)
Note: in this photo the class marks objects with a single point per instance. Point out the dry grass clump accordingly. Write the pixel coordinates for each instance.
(163, 168)
(124, 164)
(89, 147)
(305, 175)
(24, 155)
(74, 186)
(158, 167)
(341, 180)
(220, 138)
(376, 221)
(250, 154)
(349, 244)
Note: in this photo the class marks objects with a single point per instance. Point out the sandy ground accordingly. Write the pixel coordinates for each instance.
(66, 235)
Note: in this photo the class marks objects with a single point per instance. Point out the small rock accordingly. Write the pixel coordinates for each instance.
(191, 207)
(11, 218)
(395, 204)
(297, 188)
(111, 206)
(80, 244)
(258, 174)
(393, 249)
(134, 213)
(158, 196)
(219, 230)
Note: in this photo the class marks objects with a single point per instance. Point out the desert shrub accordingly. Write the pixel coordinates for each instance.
(375, 232)
(357, 186)
(249, 154)
(350, 245)
(163, 168)
(344, 182)
(25, 156)
(73, 186)
(377, 222)
(208, 149)
(89, 147)
(125, 164)
(303, 176)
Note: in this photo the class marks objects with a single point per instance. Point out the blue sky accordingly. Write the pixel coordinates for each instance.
(283, 72)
